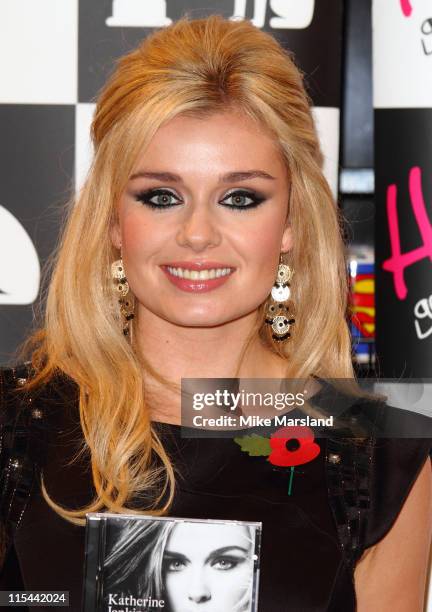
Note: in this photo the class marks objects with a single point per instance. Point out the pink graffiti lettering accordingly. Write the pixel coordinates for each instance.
(398, 261)
(406, 7)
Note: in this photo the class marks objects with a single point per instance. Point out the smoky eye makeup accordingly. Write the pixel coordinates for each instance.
(227, 562)
(158, 198)
(237, 199)
(174, 562)
(241, 199)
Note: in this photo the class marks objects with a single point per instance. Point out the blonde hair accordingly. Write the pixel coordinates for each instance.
(193, 67)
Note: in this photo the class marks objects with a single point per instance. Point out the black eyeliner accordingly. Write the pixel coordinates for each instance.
(253, 195)
(145, 196)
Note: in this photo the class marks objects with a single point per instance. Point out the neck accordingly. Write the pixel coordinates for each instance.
(177, 352)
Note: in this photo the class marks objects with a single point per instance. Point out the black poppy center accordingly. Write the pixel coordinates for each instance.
(292, 445)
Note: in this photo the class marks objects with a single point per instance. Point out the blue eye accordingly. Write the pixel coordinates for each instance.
(158, 198)
(163, 198)
(241, 199)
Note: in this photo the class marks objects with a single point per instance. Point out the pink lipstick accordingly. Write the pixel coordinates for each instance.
(218, 274)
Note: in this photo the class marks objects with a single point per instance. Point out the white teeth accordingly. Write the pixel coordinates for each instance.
(199, 274)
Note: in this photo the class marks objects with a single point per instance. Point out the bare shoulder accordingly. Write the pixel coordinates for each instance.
(400, 557)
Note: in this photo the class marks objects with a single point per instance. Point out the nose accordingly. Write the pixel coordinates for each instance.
(198, 590)
(198, 230)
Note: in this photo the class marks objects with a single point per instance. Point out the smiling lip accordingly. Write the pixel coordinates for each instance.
(197, 285)
(197, 265)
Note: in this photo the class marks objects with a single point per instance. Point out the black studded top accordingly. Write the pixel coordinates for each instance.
(343, 501)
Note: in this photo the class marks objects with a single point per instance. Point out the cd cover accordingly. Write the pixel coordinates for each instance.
(136, 563)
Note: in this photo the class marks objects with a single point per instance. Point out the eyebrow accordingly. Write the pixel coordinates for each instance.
(175, 555)
(214, 553)
(225, 178)
(225, 549)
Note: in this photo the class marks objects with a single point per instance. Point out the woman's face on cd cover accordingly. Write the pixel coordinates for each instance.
(208, 568)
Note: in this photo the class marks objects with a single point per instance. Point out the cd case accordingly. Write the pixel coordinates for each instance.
(141, 563)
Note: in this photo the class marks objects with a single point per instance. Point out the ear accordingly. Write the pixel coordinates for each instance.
(115, 235)
(287, 239)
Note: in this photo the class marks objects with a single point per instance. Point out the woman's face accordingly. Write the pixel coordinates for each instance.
(210, 193)
(208, 568)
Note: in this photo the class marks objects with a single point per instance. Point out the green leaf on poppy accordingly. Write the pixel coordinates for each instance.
(256, 446)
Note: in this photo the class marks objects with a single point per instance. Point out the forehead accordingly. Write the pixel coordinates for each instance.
(219, 141)
(200, 538)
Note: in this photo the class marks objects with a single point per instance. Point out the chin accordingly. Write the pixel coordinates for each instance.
(201, 318)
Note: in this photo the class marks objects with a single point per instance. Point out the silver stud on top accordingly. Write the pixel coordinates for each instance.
(334, 458)
(37, 413)
(21, 381)
(15, 463)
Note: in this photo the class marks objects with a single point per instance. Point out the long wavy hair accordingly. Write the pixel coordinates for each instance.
(193, 67)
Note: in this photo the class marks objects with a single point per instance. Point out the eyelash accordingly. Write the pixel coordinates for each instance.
(170, 565)
(145, 198)
(232, 561)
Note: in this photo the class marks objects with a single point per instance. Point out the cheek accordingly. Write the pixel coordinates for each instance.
(176, 589)
(263, 244)
(230, 587)
(135, 232)
(172, 581)
(141, 244)
(139, 237)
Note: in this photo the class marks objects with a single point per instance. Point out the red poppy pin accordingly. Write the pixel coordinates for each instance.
(286, 447)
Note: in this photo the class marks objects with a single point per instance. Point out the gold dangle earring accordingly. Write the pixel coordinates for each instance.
(122, 289)
(277, 314)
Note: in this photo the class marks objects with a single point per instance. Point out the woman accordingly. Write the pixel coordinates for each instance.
(185, 565)
(206, 156)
